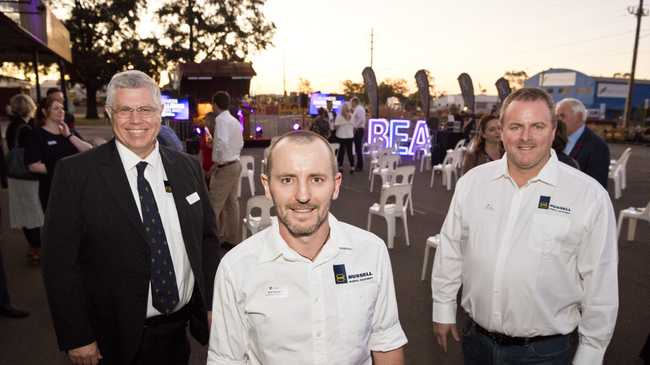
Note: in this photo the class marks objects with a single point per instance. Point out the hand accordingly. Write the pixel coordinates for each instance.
(441, 330)
(65, 130)
(85, 355)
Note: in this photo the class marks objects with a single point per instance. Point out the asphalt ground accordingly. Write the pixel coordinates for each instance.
(32, 340)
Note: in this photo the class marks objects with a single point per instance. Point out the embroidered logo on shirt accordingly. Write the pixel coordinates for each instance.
(545, 203)
(340, 276)
(277, 291)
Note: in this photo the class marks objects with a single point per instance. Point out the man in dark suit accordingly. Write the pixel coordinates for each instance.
(130, 247)
(586, 147)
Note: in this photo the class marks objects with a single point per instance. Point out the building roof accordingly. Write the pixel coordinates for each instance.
(19, 45)
(216, 69)
(619, 80)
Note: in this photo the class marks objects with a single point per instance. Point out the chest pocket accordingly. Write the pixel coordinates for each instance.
(550, 234)
(356, 308)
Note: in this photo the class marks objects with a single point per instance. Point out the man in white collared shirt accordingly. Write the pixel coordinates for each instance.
(533, 243)
(227, 144)
(309, 289)
(359, 122)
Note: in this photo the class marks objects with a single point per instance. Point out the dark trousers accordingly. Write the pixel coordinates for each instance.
(164, 343)
(4, 292)
(346, 147)
(33, 236)
(359, 133)
(479, 349)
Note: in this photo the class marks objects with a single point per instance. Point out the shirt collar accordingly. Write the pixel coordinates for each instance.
(275, 246)
(547, 174)
(573, 137)
(130, 159)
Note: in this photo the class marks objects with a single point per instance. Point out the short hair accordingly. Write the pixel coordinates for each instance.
(132, 79)
(221, 99)
(300, 137)
(576, 106)
(529, 94)
(52, 90)
(22, 105)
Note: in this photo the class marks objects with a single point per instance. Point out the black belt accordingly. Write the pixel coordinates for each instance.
(180, 316)
(227, 163)
(505, 340)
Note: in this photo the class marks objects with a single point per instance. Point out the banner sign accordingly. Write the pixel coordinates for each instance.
(422, 81)
(503, 88)
(396, 132)
(467, 88)
(370, 83)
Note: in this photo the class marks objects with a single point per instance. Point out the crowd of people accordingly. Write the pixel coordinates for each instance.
(529, 237)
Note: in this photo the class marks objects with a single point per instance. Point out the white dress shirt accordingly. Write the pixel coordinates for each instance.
(156, 176)
(274, 307)
(344, 127)
(359, 117)
(227, 139)
(535, 260)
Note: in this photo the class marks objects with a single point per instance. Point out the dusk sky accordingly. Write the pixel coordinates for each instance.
(328, 41)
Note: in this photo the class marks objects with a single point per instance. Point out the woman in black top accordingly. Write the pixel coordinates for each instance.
(50, 143)
(25, 210)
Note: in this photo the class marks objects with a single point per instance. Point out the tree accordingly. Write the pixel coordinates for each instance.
(515, 78)
(352, 89)
(105, 41)
(194, 30)
(304, 86)
(389, 87)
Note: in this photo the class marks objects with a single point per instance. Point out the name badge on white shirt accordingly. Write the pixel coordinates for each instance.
(51, 143)
(276, 291)
(192, 198)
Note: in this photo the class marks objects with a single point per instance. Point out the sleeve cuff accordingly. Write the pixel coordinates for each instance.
(388, 340)
(587, 355)
(444, 313)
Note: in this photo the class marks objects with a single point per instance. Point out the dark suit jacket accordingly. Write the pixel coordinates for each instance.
(592, 154)
(96, 256)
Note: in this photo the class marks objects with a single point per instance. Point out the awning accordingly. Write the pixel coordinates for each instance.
(19, 45)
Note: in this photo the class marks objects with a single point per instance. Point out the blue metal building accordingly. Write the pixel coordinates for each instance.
(604, 97)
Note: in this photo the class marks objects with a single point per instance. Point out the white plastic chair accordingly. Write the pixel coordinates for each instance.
(392, 211)
(377, 151)
(425, 157)
(633, 214)
(335, 147)
(404, 175)
(459, 144)
(387, 164)
(256, 223)
(247, 172)
(432, 242)
(618, 172)
(447, 169)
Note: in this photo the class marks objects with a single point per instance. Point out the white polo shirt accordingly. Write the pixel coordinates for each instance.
(540, 259)
(273, 306)
(227, 139)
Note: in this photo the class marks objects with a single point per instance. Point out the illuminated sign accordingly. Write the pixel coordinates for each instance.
(396, 132)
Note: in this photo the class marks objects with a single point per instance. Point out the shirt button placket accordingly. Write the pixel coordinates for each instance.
(318, 316)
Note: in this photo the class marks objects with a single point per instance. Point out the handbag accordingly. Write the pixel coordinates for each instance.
(16, 167)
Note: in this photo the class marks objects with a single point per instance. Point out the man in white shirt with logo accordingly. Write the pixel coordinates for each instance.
(359, 122)
(226, 147)
(533, 243)
(309, 289)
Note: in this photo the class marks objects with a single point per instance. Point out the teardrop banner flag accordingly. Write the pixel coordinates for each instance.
(422, 81)
(467, 88)
(503, 88)
(370, 83)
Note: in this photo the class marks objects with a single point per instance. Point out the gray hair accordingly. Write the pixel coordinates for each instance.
(22, 105)
(132, 79)
(300, 137)
(577, 107)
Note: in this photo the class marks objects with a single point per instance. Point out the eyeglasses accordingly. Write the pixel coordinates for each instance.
(143, 112)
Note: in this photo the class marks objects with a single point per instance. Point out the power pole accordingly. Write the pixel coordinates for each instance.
(372, 45)
(638, 12)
